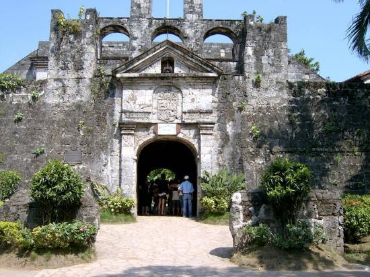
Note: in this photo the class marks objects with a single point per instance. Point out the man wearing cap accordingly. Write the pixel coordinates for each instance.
(187, 189)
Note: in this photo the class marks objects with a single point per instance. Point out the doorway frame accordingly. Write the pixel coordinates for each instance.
(188, 144)
(198, 137)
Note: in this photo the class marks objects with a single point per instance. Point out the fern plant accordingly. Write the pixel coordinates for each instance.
(218, 188)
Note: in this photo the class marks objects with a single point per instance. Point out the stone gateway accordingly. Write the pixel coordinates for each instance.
(127, 108)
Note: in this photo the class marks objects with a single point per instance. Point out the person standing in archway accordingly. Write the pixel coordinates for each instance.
(187, 189)
(145, 198)
(175, 199)
(162, 194)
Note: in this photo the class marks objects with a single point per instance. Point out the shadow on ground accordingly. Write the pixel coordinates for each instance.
(209, 271)
(313, 259)
(222, 252)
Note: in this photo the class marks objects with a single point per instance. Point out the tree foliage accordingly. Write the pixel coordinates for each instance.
(309, 63)
(156, 174)
(287, 184)
(57, 190)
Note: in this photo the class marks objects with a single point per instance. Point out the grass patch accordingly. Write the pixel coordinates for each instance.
(271, 258)
(358, 253)
(46, 258)
(107, 217)
(214, 219)
(358, 258)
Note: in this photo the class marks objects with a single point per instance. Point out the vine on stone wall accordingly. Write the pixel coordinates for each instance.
(10, 82)
(258, 80)
(18, 117)
(72, 26)
(100, 84)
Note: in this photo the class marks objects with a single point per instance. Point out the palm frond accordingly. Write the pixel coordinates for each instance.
(356, 33)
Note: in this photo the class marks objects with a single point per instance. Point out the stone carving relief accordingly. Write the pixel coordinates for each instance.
(167, 104)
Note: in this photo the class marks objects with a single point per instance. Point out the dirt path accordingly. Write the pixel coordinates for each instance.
(157, 244)
(165, 246)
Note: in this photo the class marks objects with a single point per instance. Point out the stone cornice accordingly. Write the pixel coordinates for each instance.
(127, 128)
(206, 128)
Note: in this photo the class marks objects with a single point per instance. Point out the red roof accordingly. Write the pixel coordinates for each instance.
(362, 77)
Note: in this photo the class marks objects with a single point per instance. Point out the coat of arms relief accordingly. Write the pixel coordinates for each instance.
(167, 104)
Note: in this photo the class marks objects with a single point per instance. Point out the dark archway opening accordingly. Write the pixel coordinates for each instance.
(172, 155)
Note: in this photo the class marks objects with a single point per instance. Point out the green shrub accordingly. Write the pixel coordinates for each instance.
(319, 235)
(287, 184)
(120, 205)
(53, 236)
(214, 205)
(64, 235)
(356, 217)
(114, 204)
(83, 234)
(219, 189)
(208, 204)
(297, 236)
(9, 181)
(14, 235)
(57, 190)
(258, 235)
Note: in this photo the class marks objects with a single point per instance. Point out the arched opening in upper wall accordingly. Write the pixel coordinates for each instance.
(167, 32)
(114, 42)
(220, 43)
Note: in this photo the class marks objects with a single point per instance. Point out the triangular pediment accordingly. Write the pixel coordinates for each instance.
(186, 63)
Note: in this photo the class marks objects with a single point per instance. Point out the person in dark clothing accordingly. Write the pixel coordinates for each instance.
(145, 198)
(162, 194)
(154, 193)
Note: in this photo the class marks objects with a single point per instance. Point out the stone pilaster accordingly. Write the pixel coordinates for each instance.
(193, 9)
(141, 8)
(207, 155)
(128, 160)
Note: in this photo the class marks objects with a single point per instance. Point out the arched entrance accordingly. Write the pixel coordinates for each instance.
(170, 154)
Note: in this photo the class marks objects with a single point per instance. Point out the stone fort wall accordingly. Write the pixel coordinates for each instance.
(322, 125)
(77, 117)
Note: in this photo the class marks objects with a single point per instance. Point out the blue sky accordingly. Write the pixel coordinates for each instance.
(317, 26)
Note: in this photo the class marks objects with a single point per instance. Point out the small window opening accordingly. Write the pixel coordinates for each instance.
(168, 65)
